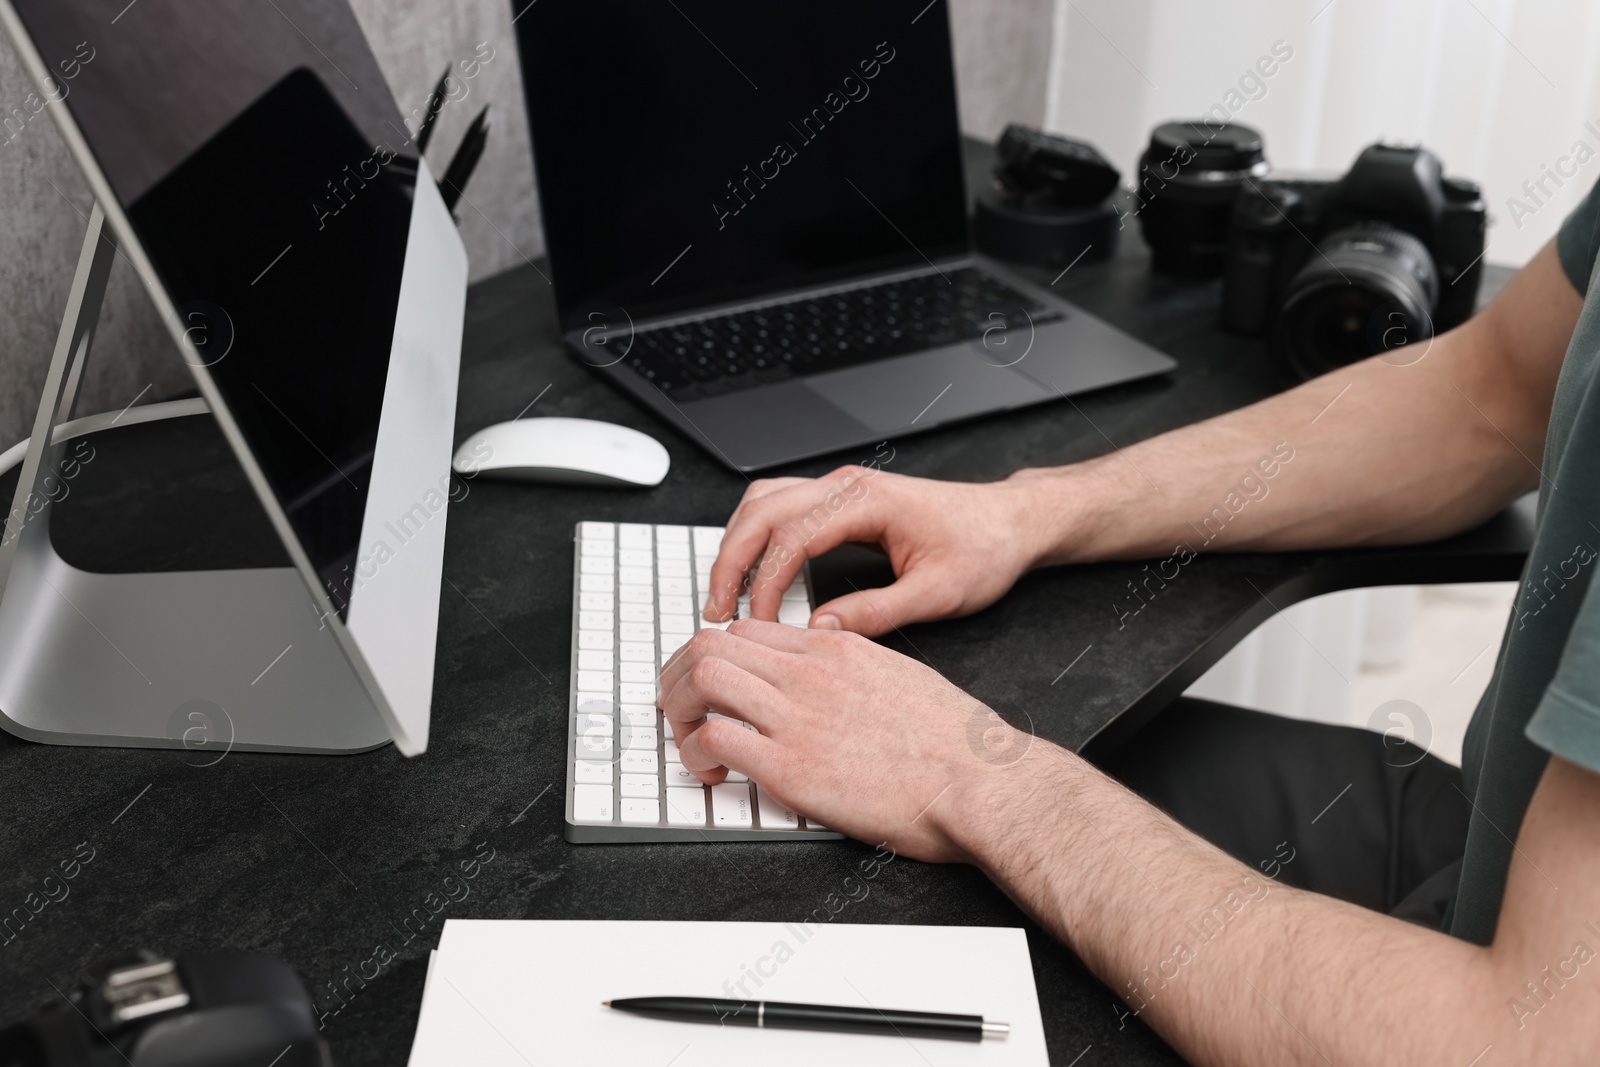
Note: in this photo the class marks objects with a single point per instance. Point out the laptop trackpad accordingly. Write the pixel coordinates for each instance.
(926, 389)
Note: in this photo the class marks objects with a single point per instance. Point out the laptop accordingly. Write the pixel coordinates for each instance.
(756, 222)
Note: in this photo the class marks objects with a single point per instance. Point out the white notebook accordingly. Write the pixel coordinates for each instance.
(519, 992)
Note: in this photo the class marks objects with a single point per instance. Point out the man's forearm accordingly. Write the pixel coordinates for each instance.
(1375, 453)
(1228, 965)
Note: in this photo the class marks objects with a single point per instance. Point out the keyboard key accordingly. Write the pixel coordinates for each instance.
(730, 806)
(707, 624)
(637, 613)
(600, 531)
(670, 643)
(633, 535)
(678, 774)
(707, 540)
(589, 722)
(674, 587)
(592, 803)
(601, 549)
(636, 557)
(794, 613)
(666, 726)
(596, 565)
(669, 749)
(597, 682)
(593, 746)
(677, 624)
(672, 535)
(797, 591)
(594, 601)
(702, 581)
(638, 761)
(637, 652)
(597, 583)
(635, 672)
(812, 824)
(642, 632)
(635, 576)
(686, 807)
(773, 815)
(593, 659)
(637, 737)
(670, 550)
(599, 703)
(637, 715)
(597, 621)
(634, 594)
(673, 568)
(597, 640)
(676, 605)
(640, 785)
(638, 693)
(641, 812)
(588, 772)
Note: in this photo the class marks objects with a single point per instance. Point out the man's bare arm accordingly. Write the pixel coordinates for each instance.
(1230, 966)
(1234, 969)
(1382, 453)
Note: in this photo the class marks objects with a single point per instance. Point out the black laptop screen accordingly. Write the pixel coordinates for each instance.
(693, 151)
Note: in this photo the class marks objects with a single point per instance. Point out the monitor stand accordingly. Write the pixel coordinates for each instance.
(208, 661)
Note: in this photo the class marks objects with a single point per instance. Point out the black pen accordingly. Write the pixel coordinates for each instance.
(765, 1014)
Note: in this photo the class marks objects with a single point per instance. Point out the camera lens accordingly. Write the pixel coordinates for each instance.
(1369, 289)
(1187, 181)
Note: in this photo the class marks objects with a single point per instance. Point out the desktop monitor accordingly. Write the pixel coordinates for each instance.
(258, 175)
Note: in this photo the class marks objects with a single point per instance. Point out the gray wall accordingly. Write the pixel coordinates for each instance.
(1002, 57)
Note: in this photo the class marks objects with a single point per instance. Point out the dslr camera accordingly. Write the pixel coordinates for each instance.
(1335, 271)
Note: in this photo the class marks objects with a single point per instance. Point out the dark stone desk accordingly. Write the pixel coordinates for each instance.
(320, 860)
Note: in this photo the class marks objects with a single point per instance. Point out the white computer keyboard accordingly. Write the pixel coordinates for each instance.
(637, 594)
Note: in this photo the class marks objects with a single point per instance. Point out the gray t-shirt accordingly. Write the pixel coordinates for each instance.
(1545, 694)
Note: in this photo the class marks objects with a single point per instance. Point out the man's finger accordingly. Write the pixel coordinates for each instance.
(803, 518)
(759, 658)
(721, 744)
(712, 684)
(773, 635)
(917, 597)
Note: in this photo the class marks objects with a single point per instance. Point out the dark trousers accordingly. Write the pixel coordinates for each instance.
(1379, 825)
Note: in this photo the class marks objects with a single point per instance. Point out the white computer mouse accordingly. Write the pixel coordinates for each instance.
(563, 452)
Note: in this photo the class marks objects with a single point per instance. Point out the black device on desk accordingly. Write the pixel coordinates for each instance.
(227, 1009)
(756, 222)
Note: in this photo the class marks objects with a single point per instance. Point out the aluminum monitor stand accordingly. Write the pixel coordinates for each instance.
(209, 661)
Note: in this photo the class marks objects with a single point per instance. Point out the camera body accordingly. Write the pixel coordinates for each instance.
(217, 1009)
(1390, 254)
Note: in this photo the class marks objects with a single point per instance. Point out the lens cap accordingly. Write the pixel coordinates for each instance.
(1201, 145)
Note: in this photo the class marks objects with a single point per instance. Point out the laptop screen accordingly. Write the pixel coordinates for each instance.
(695, 151)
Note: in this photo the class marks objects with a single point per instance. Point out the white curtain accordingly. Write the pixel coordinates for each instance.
(1506, 92)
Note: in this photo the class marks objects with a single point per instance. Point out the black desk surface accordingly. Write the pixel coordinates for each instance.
(319, 860)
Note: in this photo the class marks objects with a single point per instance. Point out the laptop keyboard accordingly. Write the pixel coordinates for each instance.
(638, 590)
(810, 335)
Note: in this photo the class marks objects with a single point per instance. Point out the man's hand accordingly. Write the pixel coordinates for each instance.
(956, 547)
(861, 737)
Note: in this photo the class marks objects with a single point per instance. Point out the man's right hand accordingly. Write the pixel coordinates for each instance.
(955, 547)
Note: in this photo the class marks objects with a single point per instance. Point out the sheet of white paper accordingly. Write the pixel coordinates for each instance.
(518, 992)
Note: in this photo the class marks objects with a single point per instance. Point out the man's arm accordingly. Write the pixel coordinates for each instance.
(1230, 967)
(1381, 454)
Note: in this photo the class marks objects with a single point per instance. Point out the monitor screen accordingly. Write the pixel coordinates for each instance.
(695, 151)
(256, 149)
